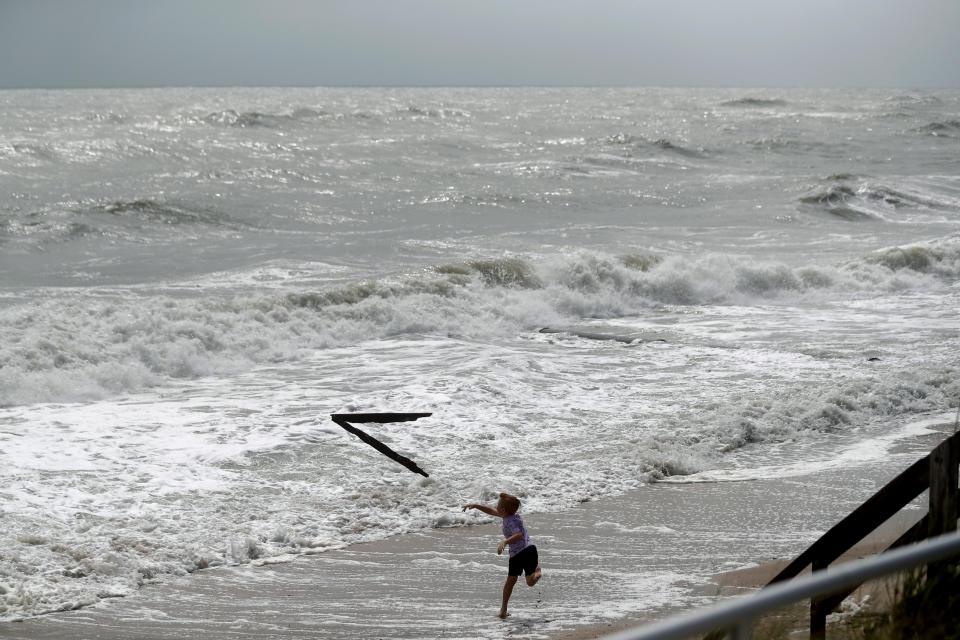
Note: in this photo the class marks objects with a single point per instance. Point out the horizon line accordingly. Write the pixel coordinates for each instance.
(476, 86)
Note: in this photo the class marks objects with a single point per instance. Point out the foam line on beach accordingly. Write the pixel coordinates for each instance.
(606, 563)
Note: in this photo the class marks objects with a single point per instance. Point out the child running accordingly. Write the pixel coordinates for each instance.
(523, 555)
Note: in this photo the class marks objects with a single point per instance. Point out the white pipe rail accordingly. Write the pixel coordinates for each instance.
(737, 615)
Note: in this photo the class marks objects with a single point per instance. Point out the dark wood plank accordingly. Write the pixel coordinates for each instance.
(344, 421)
(378, 417)
(944, 462)
(943, 488)
(818, 621)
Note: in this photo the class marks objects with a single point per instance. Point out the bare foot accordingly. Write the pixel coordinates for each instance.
(502, 614)
(535, 578)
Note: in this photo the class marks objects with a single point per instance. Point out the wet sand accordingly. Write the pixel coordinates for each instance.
(607, 564)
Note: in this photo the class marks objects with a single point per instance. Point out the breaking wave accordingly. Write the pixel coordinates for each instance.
(797, 146)
(39, 151)
(842, 201)
(851, 198)
(661, 144)
(755, 102)
(89, 348)
(416, 111)
(257, 119)
(162, 212)
(749, 419)
(947, 128)
(248, 119)
(128, 220)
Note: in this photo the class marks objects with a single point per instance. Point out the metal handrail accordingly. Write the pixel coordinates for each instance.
(738, 614)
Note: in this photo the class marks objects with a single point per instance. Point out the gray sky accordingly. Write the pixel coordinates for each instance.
(814, 43)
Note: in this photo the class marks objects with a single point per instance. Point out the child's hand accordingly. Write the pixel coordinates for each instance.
(503, 543)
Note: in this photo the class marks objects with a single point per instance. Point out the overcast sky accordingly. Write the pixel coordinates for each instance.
(813, 43)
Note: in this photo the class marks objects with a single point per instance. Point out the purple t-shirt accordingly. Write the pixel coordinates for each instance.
(514, 524)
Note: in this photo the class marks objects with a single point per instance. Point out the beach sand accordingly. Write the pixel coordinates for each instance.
(607, 564)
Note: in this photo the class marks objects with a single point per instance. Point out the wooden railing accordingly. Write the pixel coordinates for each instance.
(734, 617)
(937, 472)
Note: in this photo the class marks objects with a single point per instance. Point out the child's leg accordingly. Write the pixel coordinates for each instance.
(507, 590)
(534, 578)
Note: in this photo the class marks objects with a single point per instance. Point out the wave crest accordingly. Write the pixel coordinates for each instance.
(250, 119)
(634, 144)
(121, 220)
(163, 212)
(946, 128)
(781, 418)
(932, 260)
(507, 272)
(88, 348)
(854, 198)
(754, 102)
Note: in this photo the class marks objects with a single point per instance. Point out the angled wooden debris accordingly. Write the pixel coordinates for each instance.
(344, 420)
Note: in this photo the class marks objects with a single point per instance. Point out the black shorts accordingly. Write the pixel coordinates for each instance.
(526, 561)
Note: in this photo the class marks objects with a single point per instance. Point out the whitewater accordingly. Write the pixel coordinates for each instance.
(735, 283)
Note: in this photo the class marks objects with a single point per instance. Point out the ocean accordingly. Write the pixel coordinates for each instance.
(734, 284)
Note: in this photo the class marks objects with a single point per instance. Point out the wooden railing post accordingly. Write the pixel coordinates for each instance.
(943, 489)
(818, 612)
(942, 517)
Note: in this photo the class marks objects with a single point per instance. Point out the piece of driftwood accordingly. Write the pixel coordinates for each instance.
(590, 335)
(344, 420)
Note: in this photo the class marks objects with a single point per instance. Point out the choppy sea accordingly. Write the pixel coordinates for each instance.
(193, 280)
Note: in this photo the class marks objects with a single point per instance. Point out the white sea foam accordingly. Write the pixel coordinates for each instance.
(555, 420)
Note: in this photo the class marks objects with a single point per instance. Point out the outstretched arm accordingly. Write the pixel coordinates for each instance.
(482, 507)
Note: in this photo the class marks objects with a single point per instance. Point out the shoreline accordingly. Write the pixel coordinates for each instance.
(609, 564)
